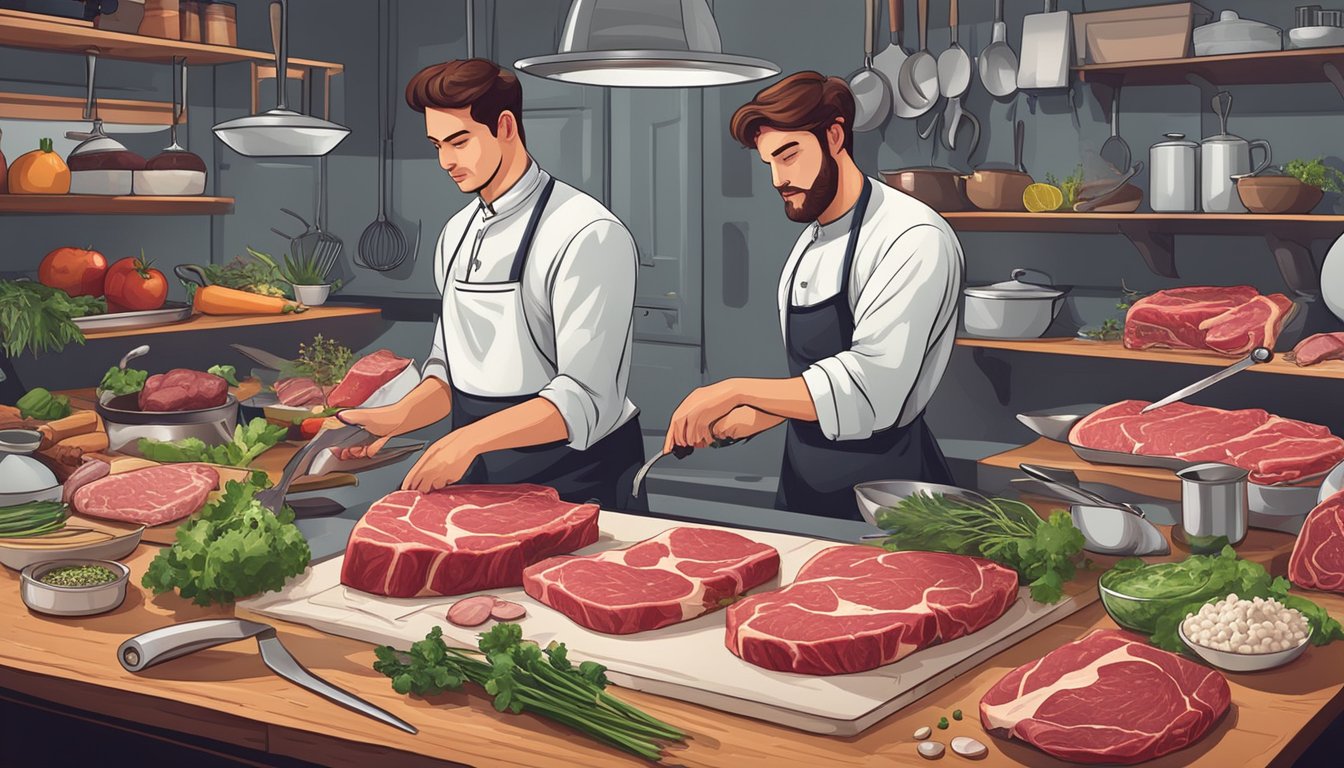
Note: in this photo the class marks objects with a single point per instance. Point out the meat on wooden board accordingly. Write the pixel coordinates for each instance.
(461, 539)
(675, 576)
(853, 608)
(149, 496)
(1273, 449)
(1230, 320)
(1317, 561)
(1107, 698)
(1318, 348)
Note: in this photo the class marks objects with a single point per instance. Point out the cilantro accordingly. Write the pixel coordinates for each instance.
(232, 548)
(249, 442)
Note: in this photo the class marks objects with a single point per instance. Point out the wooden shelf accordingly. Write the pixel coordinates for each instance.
(217, 322)
(147, 205)
(1114, 350)
(1158, 483)
(1268, 68)
(1313, 226)
(41, 35)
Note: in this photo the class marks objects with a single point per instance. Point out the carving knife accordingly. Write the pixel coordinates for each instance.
(263, 358)
(1257, 356)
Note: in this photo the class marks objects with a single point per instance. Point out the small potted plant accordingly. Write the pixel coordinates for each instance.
(310, 275)
(1297, 189)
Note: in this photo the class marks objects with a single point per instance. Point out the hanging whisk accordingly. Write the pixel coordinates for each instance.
(383, 247)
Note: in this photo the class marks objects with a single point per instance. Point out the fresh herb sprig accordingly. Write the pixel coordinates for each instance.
(123, 381)
(1044, 553)
(1068, 185)
(325, 361)
(249, 442)
(1316, 173)
(523, 677)
(36, 318)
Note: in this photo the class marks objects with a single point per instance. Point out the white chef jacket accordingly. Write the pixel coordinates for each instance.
(578, 292)
(903, 292)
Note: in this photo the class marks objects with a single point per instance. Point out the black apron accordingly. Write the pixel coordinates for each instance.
(818, 475)
(602, 474)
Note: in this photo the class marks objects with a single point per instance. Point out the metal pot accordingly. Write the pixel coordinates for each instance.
(126, 423)
(942, 189)
(1012, 309)
(1173, 175)
(997, 190)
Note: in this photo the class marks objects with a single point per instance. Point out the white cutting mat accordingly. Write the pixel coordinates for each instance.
(686, 661)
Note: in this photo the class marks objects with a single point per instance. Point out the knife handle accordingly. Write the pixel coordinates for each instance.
(160, 645)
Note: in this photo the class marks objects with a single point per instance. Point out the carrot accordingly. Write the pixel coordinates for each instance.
(218, 300)
(77, 423)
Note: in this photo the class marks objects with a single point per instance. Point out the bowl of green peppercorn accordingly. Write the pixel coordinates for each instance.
(74, 587)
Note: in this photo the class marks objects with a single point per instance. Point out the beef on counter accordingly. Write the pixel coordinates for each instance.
(461, 539)
(300, 392)
(1317, 561)
(1108, 698)
(1231, 320)
(675, 576)
(854, 608)
(1271, 448)
(150, 496)
(182, 389)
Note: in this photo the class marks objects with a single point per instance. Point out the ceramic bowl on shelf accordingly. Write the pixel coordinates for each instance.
(1277, 194)
(1315, 37)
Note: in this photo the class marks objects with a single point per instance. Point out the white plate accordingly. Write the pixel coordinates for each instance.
(1332, 279)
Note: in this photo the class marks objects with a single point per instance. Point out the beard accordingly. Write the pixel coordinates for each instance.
(816, 198)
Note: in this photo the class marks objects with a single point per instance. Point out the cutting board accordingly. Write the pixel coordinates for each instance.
(686, 661)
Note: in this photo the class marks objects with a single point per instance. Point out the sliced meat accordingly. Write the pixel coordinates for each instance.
(1317, 561)
(471, 611)
(150, 496)
(91, 470)
(854, 608)
(464, 538)
(1108, 698)
(506, 610)
(183, 390)
(1318, 348)
(298, 392)
(675, 576)
(365, 377)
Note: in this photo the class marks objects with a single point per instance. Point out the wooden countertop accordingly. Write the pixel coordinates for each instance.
(227, 694)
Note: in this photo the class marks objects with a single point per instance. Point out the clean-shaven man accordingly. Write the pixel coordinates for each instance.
(867, 305)
(532, 352)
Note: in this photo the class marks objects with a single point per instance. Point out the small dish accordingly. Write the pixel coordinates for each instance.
(72, 601)
(1138, 614)
(114, 545)
(1244, 662)
(20, 441)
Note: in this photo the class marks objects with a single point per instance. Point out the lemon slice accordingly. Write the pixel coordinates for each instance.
(1041, 198)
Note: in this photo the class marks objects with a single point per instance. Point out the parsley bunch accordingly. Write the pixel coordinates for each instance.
(524, 677)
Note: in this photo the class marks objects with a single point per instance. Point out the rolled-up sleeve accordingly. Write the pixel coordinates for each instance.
(592, 301)
(910, 292)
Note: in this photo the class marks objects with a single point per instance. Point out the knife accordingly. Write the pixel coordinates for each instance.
(263, 358)
(681, 452)
(298, 465)
(159, 645)
(1256, 357)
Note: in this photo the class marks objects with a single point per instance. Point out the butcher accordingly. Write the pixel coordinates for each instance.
(867, 307)
(531, 354)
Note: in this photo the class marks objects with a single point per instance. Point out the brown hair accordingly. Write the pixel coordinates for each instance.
(803, 101)
(481, 84)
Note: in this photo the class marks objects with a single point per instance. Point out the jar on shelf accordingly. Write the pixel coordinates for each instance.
(162, 19)
(221, 23)
(191, 21)
(126, 18)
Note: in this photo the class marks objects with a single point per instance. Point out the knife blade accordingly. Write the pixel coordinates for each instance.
(263, 358)
(1257, 356)
(681, 452)
(281, 662)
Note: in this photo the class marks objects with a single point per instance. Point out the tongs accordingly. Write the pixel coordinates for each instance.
(1065, 486)
(159, 645)
(1256, 357)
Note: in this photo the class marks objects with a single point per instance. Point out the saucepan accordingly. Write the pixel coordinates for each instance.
(942, 189)
(1012, 309)
(1000, 187)
(126, 423)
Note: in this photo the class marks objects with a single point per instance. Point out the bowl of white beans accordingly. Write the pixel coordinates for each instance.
(1241, 635)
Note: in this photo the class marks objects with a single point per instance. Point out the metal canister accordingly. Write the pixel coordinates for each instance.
(1174, 175)
(1307, 16)
(1214, 507)
(1334, 18)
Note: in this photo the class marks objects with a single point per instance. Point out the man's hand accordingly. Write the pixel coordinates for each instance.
(693, 421)
(743, 422)
(385, 423)
(443, 463)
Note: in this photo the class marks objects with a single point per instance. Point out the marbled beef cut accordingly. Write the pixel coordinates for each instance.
(1318, 554)
(150, 496)
(461, 539)
(675, 576)
(1107, 698)
(1231, 320)
(182, 389)
(365, 377)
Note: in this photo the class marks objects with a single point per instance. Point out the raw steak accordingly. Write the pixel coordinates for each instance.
(150, 496)
(1318, 554)
(1108, 698)
(365, 377)
(675, 576)
(1272, 449)
(1231, 320)
(1318, 348)
(183, 390)
(298, 392)
(854, 608)
(461, 539)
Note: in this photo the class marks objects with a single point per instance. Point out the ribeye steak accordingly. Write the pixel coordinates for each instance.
(461, 539)
(1318, 554)
(365, 377)
(1107, 698)
(149, 496)
(854, 608)
(675, 576)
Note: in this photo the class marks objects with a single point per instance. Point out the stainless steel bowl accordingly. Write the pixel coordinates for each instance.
(72, 601)
(126, 424)
(877, 494)
(20, 441)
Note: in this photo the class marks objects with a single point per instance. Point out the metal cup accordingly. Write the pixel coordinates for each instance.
(1333, 18)
(1214, 509)
(1308, 15)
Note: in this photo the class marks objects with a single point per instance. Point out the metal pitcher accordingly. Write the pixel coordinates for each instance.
(1174, 175)
(1221, 158)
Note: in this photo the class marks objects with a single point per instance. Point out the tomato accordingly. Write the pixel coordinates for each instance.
(133, 286)
(76, 271)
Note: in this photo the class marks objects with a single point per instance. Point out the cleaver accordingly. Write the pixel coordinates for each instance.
(1047, 48)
